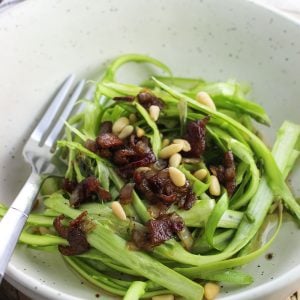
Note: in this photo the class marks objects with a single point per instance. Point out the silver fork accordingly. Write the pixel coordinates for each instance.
(36, 152)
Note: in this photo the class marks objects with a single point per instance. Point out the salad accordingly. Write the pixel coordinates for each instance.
(165, 187)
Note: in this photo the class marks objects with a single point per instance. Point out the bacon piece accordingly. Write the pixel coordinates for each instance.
(68, 185)
(75, 233)
(195, 135)
(136, 153)
(108, 141)
(86, 189)
(126, 193)
(157, 231)
(157, 187)
(146, 99)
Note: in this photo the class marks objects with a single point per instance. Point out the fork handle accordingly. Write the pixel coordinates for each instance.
(14, 220)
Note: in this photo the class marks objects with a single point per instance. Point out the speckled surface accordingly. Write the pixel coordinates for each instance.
(209, 39)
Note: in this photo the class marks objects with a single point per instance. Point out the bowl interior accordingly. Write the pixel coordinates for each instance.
(46, 41)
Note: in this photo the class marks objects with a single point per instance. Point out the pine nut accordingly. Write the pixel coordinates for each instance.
(154, 111)
(211, 290)
(165, 143)
(169, 150)
(201, 174)
(177, 177)
(126, 131)
(205, 99)
(175, 160)
(132, 118)
(140, 132)
(118, 210)
(186, 147)
(119, 125)
(163, 297)
(214, 188)
(143, 169)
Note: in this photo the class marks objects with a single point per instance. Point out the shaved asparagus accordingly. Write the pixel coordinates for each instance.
(163, 234)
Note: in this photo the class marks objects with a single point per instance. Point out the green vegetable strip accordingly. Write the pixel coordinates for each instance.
(135, 291)
(177, 82)
(214, 219)
(197, 216)
(230, 219)
(94, 276)
(118, 62)
(155, 137)
(41, 240)
(112, 245)
(243, 154)
(220, 241)
(199, 187)
(231, 276)
(95, 255)
(240, 172)
(274, 177)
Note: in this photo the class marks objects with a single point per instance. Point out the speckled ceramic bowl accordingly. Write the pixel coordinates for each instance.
(43, 41)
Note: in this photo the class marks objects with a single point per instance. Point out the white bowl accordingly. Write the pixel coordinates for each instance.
(43, 41)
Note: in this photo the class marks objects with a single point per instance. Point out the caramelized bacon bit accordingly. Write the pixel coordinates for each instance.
(108, 140)
(226, 172)
(126, 193)
(136, 153)
(195, 135)
(157, 231)
(85, 191)
(229, 174)
(74, 233)
(146, 99)
(157, 187)
(124, 98)
(69, 185)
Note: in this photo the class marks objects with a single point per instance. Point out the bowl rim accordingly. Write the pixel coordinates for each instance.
(32, 287)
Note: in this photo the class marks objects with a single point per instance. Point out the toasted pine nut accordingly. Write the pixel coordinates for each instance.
(143, 169)
(211, 290)
(201, 174)
(175, 160)
(154, 111)
(214, 188)
(163, 297)
(186, 145)
(165, 143)
(177, 177)
(132, 118)
(118, 210)
(205, 99)
(140, 132)
(119, 125)
(126, 131)
(169, 150)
